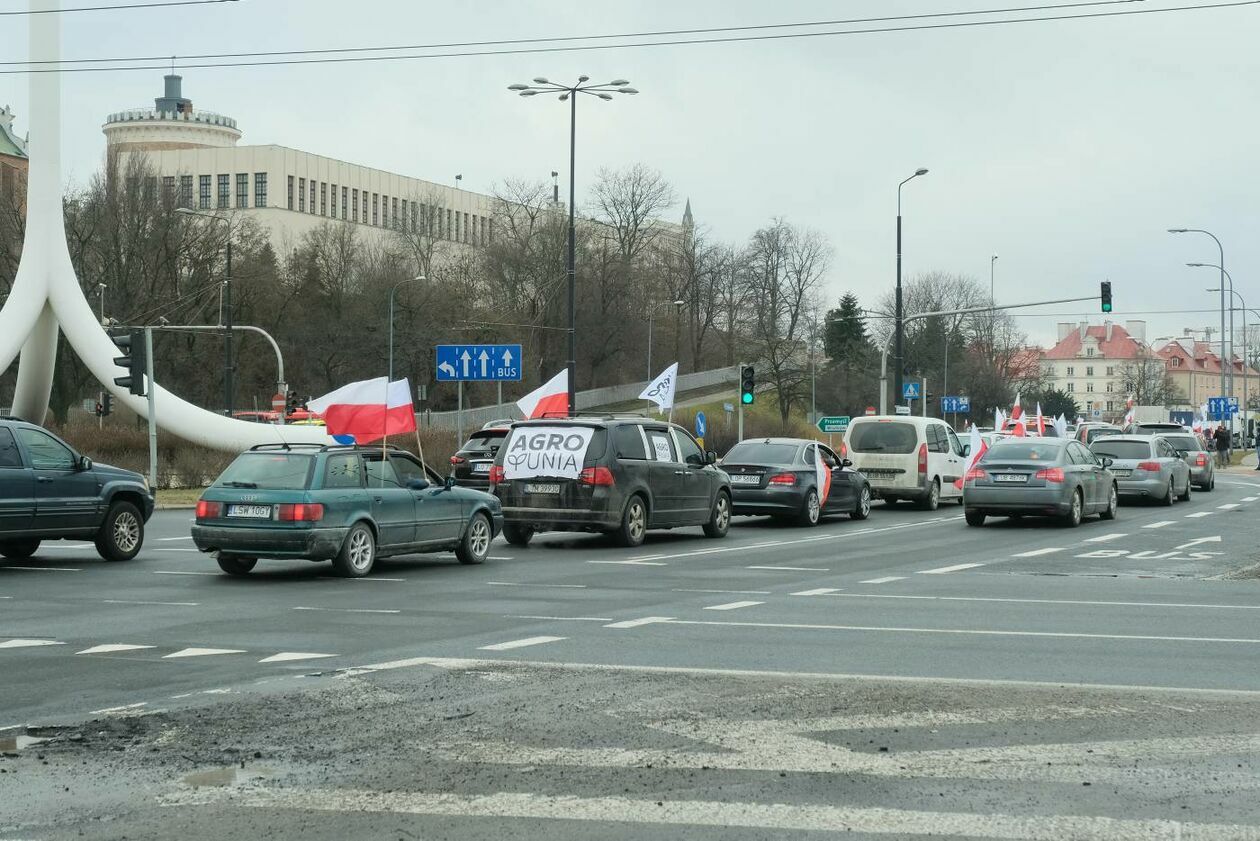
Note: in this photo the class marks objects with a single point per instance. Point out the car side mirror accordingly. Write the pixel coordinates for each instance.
(966, 449)
(1107, 462)
(84, 463)
(417, 484)
(449, 483)
(710, 457)
(844, 462)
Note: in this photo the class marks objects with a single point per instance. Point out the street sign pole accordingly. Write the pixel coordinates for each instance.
(459, 416)
(739, 401)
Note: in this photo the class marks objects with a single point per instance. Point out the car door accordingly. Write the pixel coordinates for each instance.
(940, 459)
(393, 506)
(67, 499)
(840, 497)
(1094, 477)
(1177, 467)
(667, 477)
(440, 512)
(957, 464)
(17, 487)
(697, 484)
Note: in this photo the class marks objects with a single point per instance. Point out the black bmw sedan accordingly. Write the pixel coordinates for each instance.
(780, 477)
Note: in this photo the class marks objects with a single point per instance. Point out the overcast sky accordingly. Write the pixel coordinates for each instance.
(1066, 148)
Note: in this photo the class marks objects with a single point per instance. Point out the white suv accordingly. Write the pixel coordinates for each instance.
(906, 457)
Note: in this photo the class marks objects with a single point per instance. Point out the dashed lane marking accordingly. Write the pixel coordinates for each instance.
(733, 605)
(1106, 537)
(1198, 514)
(566, 618)
(1228, 506)
(499, 558)
(943, 570)
(112, 648)
(349, 609)
(21, 643)
(1012, 600)
(630, 563)
(162, 604)
(174, 549)
(792, 569)
(635, 623)
(365, 578)
(521, 643)
(290, 656)
(526, 584)
(819, 591)
(731, 592)
(40, 569)
(1250, 498)
(183, 572)
(1033, 553)
(1159, 525)
(167, 539)
(887, 579)
(201, 652)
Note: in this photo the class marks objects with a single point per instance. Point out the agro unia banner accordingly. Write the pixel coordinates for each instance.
(556, 452)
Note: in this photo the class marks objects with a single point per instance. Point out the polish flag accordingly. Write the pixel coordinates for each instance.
(1019, 428)
(977, 451)
(999, 420)
(1041, 421)
(549, 399)
(368, 410)
(1016, 411)
(823, 474)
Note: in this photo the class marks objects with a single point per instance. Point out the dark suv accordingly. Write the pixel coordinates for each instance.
(621, 476)
(50, 492)
(470, 467)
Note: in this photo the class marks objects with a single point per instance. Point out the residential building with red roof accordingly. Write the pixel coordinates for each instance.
(1196, 369)
(1086, 362)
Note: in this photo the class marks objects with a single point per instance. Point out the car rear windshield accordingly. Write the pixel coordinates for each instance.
(1009, 450)
(759, 452)
(883, 437)
(268, 472)
(1093, 434)
(1187, 443)
(1122, 449)
(486, 441)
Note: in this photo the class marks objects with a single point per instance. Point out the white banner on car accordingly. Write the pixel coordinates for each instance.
(550, 451)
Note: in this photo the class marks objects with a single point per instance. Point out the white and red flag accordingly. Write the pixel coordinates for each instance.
(823, 473)
(367, 410)
(999, 420)
(1041, 421)
(551, 399)
(974, 454)
(1016, 411)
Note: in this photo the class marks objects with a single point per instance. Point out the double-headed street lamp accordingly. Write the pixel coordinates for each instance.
(605, 91)
(417, 278)
(899, 314)
(225, 314)
(1221, 266)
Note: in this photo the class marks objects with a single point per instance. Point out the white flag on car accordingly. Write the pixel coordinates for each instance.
(661, 390)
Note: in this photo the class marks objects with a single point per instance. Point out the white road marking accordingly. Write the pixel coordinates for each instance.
(28, 643)
(365, 578)
(732, 605)
(349, 609)
(521, 643)
(1250, 498)
(1227, 506)
(1159, 525)
(1104, 538)
(524, 584)
(1033, 553)
(1200, 540)
(792, 569)
(174, 549)
(731, 592)
(943, 570)
(124, 708)
(818, 591)
(634, 623)
(163, 604)
(1013, 600)
(499, 558)
(890, 629)
(630, 563)
(165, 539)
(567, 618)
(183, 572)
(773, 819)
(60, 545)
(202, 652)
(40, 569)
(887, 579)
(289, 656)
(110, 648)
(1198, 514)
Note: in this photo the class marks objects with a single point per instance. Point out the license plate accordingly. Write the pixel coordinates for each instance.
(253, 512)
(1122, 473)
(1010, 477)
(548, 488)
(745, 480)
(481, 468)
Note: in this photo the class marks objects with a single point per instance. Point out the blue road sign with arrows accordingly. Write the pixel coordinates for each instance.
(961, 405)
(910, 391)
(1221, 406)
(478, 362)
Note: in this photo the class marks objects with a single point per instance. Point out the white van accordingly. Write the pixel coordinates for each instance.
(906, 457)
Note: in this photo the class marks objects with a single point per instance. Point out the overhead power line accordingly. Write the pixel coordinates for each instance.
(641, 44)
(156, 5)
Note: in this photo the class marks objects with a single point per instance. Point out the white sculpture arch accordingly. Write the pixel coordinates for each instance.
(46, 294)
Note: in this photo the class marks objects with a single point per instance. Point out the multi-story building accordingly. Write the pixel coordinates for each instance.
(1196, 369)
(13, 161)
(1087, 363)
(196, 156)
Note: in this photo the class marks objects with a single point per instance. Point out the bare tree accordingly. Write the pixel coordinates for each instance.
(631, 202)
(1146, 379)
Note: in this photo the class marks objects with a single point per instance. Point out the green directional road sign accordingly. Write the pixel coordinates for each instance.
(833, 425)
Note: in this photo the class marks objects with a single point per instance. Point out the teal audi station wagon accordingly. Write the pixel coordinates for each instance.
(348, 504)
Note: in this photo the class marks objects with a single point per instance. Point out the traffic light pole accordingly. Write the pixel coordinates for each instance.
(739, 431)
(152, 392)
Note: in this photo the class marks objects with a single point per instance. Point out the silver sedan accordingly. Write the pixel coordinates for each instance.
(1046, 477)
(1146, 467)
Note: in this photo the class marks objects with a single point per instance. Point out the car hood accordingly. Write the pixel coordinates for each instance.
(108, 471)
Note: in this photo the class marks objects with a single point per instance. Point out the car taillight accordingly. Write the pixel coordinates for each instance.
(457, 460)
(783, 479)
(593, 476)
(299, 512)
(497, 474)
(923, 459)
(1201, 460)
(207, 510)
(1152, 466)
(1051, 474)
(975, 474)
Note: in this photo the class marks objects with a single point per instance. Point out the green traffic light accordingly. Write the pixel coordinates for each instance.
(1106, 307)
(747, 397)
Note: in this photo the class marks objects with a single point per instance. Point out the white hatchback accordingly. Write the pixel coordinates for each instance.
(907, 458)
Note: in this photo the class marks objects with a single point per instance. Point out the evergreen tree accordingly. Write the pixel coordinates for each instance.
(844, 335)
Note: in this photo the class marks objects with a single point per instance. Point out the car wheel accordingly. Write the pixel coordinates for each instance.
(975, 518)
(1211, 485)
(720, 518)
(1168, 498)
(518, 535)
(236, 566)
(1072, 518)
(18, 550)
(1185, 497)
(358, 553)
(122, 533)
(810, 511)
(1113, 503)
(863, 509)
(476, 543)
(933, 500)
(633, 528)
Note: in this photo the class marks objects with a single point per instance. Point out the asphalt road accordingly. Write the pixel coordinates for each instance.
(547, 691)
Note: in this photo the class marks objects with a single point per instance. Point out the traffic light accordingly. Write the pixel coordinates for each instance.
(107, 404)
(1106, 296)
(747, 385)
(132, 361)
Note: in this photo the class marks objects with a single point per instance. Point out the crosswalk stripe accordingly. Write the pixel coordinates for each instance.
(111, 648)
(202, 652)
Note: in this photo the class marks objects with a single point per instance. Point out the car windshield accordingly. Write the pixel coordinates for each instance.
(268, 471)
(486, 441)
(1010, 450)
(1187, 443)
(1092, 435)
(761, 452)
(1122, 449)
(883, 437)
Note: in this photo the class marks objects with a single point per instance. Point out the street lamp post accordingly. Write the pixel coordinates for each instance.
(605, 92)
(225, 314)
(1244, 327)
(1221, 266)
(899, 315)
(417, 278)
(992, 260)
(101, 287)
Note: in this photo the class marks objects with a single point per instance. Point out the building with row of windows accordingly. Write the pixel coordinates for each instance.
(290, 192)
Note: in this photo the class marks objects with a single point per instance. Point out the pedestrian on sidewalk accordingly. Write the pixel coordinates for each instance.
(1256, 443)
(1221, 437)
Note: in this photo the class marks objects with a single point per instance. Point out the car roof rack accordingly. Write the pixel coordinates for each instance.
(284, 445)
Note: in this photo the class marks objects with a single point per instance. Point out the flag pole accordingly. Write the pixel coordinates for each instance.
(420, 449)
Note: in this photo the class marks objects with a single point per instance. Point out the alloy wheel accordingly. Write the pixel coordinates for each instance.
(126, 531)
(638, 524)
(723, 518)
(864, 503)
(361, 549)
(815, 509)
(479, 537)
